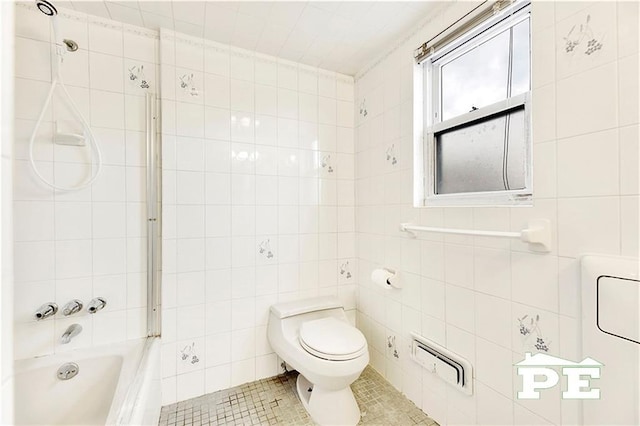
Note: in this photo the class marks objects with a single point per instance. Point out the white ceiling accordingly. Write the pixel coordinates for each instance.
(342, 36)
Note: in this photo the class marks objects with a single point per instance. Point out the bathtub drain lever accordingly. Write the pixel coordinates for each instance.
(68, 371)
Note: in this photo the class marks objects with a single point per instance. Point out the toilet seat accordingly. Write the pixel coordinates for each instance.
(332, 339)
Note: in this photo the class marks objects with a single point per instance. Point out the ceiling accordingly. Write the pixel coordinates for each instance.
(342, 36)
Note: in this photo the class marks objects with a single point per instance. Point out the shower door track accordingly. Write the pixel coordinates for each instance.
(153, 277)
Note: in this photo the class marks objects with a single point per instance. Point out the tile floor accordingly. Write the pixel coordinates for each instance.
(274, 401)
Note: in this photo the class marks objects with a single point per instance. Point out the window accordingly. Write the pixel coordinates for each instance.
(476, 143)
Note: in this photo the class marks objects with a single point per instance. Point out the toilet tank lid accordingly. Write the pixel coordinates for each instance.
(303, 306)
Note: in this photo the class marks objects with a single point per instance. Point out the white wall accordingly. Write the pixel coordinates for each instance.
(468, 293)
(242, 165)
(91, 242)
(6, 223)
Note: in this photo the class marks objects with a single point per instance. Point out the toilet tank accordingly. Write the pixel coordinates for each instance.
(305, 306)
(288, 316)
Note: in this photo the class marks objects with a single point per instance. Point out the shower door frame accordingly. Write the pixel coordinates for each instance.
(153, 219)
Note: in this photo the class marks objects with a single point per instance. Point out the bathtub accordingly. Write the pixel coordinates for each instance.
(117, 384)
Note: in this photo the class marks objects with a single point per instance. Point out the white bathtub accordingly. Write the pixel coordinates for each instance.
(117, 385)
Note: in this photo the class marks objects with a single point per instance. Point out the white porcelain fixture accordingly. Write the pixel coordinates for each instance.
(315, 337)
(115, 384)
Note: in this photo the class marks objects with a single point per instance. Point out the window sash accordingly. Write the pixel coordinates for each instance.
(481, 174)
(459, 48)
(508, 104)
(481, 198)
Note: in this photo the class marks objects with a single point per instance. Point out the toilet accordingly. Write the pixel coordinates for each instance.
(315, 337)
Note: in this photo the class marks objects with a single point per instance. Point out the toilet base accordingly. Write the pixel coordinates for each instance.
(328, 407)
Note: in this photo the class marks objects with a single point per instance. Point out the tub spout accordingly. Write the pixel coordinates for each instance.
(72, 331)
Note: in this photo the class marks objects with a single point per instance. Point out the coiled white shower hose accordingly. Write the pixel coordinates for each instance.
(57, 81)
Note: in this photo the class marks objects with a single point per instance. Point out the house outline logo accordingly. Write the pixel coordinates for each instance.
(578, 387)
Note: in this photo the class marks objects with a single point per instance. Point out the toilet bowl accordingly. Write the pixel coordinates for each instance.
(314, 337)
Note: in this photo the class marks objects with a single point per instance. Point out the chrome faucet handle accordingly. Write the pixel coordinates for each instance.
(45, 311)
(72, 331)
(72, 307)
(96, 304)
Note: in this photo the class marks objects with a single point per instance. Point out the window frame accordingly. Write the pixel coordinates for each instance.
(427, 122)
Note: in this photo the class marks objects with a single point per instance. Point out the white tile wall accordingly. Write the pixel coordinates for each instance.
(258, 205)
(91, 242)
(474, 290)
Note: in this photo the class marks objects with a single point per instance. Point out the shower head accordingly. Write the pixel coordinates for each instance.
(50, 10)
(46, 7)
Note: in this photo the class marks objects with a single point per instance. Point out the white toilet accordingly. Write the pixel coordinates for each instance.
(314, 337)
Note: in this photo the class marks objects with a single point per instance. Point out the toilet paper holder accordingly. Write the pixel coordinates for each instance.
(386, 277)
